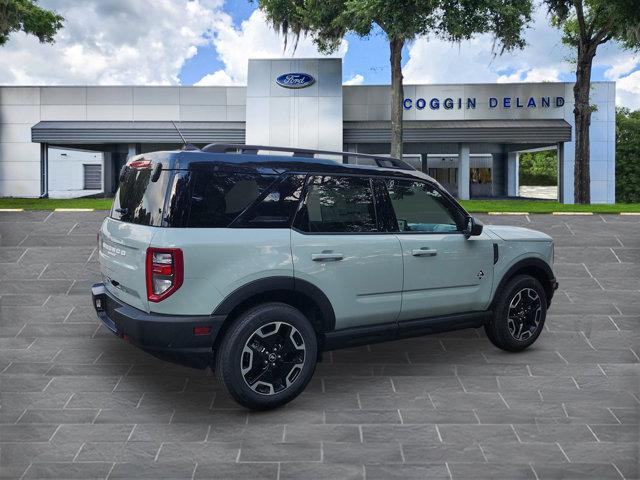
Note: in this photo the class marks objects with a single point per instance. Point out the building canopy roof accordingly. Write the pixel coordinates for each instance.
(86, 132)
(430, 131)
(452, 131)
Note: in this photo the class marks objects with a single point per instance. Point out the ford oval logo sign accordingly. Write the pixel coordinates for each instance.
(295, 80)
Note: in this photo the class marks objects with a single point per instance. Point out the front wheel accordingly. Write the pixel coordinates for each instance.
(519, 314)
(268, 356)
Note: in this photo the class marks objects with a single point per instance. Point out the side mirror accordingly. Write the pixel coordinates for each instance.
(473, 228)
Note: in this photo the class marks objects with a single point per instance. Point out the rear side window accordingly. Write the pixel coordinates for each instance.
(140, 200)
(335, 204)
(277, 208)
(215, 197)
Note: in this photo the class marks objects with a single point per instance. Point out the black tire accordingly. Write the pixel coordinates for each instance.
(519, 313)
(277, 334)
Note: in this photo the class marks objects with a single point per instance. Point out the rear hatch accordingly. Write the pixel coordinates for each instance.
(126, 234)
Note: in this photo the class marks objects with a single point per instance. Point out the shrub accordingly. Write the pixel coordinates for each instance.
(627, 156)
(539, 168)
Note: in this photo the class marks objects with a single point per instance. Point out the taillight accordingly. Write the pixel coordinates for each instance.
(164, 272)
(140, 164)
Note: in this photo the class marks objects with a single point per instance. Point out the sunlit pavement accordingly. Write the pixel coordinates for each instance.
(546, 193)
(79, 403)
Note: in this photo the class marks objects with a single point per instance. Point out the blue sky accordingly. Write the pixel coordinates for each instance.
(208, 42)
(367, 56)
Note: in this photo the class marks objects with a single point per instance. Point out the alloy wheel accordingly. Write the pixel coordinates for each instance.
(525, 311)
(272, 358)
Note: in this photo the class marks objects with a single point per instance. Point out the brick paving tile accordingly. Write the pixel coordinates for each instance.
(79, 403)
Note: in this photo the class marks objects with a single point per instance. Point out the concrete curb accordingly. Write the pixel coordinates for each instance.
(571, 213)
(74, 210)
(11, 209)
(508, 213)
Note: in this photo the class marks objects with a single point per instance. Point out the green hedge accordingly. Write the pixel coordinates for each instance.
(539, 168)
(627, 156)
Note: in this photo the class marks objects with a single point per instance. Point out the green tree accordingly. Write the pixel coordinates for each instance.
(539, 168)
(28, 17)
(327, 22)
(627, 156)
(587, 24)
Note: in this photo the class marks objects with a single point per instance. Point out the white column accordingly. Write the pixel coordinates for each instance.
(562, 190)
(463, 171)
(513, 166)
(131, 150)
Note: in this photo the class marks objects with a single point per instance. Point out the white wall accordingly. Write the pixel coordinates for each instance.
(66, 172)
(373, 103)
(23, 107)
(309, 117)
(19, 158)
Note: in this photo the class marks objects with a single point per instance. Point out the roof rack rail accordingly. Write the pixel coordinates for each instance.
(381, 161)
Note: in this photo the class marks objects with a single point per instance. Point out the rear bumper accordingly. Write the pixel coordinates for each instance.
(170, 337)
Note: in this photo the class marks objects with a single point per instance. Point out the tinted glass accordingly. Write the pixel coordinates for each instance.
(217, 196)
(138, 200)
(339, 204)
(419, 207)
(277, 208)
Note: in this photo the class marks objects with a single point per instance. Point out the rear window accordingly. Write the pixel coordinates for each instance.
(213, 197)
(138, 200)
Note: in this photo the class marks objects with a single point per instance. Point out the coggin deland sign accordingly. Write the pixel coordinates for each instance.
(302, 80)
(469, 103)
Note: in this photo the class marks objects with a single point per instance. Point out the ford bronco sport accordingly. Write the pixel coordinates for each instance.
(255, 264)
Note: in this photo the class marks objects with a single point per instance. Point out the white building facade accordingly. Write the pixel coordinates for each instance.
(466, 136)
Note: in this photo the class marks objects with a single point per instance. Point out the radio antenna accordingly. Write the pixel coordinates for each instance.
(187, 146)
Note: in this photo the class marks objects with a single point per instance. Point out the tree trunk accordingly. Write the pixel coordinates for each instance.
(582, 115)
(397, 96)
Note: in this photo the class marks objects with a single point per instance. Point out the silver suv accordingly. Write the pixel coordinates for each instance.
(255, 264)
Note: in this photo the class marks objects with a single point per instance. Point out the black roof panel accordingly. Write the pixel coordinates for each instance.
(184, 160)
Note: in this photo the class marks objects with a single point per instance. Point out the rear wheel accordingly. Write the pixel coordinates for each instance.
(268, 356)
(519, 314)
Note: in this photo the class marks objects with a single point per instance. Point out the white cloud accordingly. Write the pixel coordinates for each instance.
(531, 75)
(545, 58)
(114, 42)
(219, 77)
(357, 79)
(622, 65)
(436, 61)
(254, 39)
(628, 91)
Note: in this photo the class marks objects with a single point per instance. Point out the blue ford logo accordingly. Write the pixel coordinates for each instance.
(295, 80)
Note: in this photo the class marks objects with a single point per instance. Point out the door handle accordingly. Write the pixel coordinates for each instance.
(424, 252)
(326, 257)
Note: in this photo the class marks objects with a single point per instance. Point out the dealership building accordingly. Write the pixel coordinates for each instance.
(72, 141)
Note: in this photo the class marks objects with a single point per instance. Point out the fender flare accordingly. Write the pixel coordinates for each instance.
(280, 283)
(523, 264)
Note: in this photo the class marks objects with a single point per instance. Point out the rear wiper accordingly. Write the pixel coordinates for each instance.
(122, 211)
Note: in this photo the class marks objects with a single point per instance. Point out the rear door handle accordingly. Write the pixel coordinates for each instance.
(326, 257)
(424, 252)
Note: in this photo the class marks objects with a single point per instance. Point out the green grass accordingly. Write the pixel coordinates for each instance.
(543, 206)
(50, 203)
(472, 206)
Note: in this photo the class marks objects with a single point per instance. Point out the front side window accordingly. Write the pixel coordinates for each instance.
(337, 204)
(419, 207)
